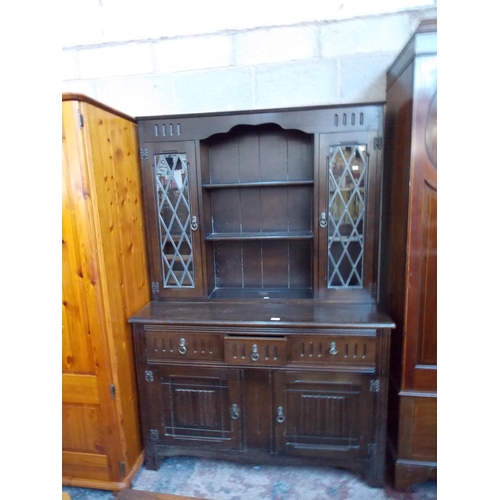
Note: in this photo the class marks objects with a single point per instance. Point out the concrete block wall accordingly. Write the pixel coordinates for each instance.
(315, 62)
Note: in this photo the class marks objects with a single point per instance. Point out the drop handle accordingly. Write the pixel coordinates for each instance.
(194, 223)
(255, 353)
(235, 412)
(333, 348)
(322, 220)
(182, 346)
(281, 415)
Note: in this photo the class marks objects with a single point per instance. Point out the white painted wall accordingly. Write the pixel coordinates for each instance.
(152, 57)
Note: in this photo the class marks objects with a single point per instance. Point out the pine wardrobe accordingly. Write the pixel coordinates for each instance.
(104, 281)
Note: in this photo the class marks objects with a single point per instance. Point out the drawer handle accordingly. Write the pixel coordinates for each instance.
(194, 223)
(333, 348)
(281, 416)
(235, 412)
(182, 346)
(322, 220)
(255, 354)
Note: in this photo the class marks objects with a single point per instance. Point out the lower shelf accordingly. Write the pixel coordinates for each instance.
(256, 293)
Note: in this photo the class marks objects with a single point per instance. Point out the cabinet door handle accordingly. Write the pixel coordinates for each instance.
(182, 346)
(235, 412)
(281, 416)
(333, 348)
(322, 220)
(255, 353)
(194, 223)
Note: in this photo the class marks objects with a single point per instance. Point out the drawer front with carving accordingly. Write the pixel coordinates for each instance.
(333, 349)
(255, 351)
(184, 346)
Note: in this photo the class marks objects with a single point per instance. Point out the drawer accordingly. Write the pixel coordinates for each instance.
(184, 346)
(333, 349)
(255, 351)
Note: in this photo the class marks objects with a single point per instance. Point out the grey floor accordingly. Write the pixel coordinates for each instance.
(220, 480)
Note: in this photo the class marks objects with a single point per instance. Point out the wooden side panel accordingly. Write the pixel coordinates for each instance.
(395, 210)
(427, 299)
(91, 465)
(77, 352)
(421, 313)
(85, 434)
(113, 149)
(258, 410)
(418, 428)
(80, 388)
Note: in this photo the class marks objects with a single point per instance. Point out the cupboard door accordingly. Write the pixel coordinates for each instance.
(348, 207)
(170, 188)
(327, 415)
(195, 408)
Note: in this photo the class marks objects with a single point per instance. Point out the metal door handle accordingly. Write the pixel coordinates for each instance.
(235, 412)
(322, 220)
(281, 416)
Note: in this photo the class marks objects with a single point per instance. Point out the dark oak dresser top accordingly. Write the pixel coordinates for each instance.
(265, 314)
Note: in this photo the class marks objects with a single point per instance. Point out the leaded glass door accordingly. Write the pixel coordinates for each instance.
(172, 198)
(348, 215)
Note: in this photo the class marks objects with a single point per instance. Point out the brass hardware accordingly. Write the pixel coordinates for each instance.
(322, 220)
(235, 412)
(255, 354)
(194, 223)
(333, 348)
(182, 346)
(281, 416)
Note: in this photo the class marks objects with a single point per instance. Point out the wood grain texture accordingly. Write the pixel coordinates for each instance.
(104, 281)
(409, 255)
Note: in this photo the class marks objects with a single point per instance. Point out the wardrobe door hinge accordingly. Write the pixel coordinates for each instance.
(112, 390)
(155, 287)
(143, 153)
(153, 434)
(80, 119)
(122, 468)
(372, 448)
(377, 143)
(375, 385)
(148, 375)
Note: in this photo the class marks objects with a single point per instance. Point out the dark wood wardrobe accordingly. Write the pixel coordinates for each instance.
(408, 283)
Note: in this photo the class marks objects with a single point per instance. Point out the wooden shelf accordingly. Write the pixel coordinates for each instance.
(271, 235)
(259, 293)
(258, 184)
